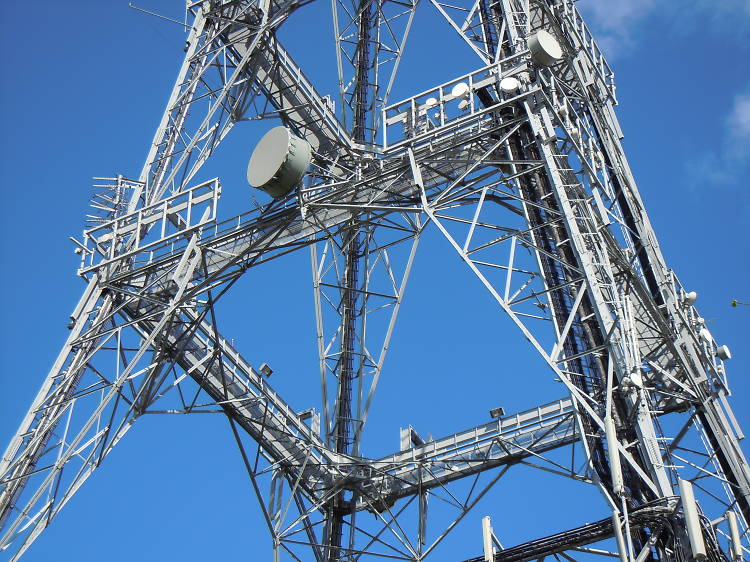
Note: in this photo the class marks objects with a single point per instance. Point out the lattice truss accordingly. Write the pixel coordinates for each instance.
(532, 192)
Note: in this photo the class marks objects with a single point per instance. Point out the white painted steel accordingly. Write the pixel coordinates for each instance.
(537, 179)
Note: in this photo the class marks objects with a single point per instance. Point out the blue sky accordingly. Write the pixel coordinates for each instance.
(84, 85)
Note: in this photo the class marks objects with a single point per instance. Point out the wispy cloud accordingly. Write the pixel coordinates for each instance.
(722, 166)
(739, 122)
(615, 23)
(726, 15)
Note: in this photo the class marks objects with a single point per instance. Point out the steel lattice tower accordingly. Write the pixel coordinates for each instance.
(518, 166)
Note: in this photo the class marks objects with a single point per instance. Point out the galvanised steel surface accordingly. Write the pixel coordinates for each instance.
(518, 165)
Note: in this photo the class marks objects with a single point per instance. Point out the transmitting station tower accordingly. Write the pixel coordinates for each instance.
(519, 168)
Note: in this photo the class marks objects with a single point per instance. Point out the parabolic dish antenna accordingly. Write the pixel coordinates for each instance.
(460, 90)
(509, 85)
(545, 49)
(278, 162)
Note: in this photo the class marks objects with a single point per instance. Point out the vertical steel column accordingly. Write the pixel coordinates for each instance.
(355, 249)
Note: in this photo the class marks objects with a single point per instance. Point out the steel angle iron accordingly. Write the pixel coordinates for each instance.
(518, 166)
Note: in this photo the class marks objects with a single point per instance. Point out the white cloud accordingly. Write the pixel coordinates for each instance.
(723, 166)
(614, 16)
(617, 23)
(725, 15)
(739, 117)
(737, 143)
(614, 23)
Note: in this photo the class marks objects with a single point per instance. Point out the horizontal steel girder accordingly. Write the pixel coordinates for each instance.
(501, 442)
(643, 516)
